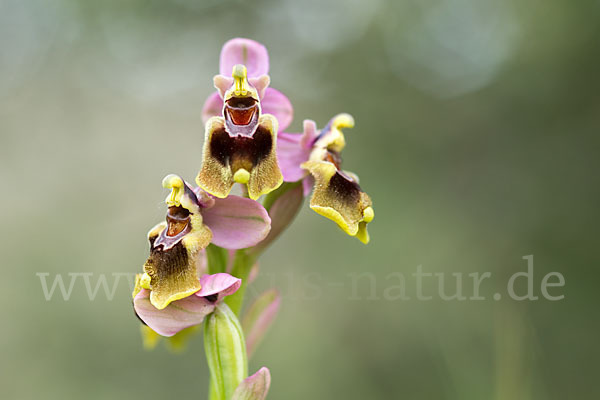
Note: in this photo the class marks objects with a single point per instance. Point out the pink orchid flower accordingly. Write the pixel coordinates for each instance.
(315, 158)
(241, 124)
(195, 219)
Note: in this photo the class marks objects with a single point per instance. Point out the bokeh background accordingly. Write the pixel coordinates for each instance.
(476, 136)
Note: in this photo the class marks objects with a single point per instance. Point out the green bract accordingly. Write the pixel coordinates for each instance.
(225, 352)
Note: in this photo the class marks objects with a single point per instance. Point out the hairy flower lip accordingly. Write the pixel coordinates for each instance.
(229, 148)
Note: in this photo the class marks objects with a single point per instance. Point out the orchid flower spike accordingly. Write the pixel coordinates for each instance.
(195, 219)
(315, 156)
(206, 227)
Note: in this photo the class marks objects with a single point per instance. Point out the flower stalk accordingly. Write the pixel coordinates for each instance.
(242, 265)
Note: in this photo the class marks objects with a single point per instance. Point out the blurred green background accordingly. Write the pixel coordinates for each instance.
(476, 136)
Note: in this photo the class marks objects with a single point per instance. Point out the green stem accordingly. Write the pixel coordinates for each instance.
(217, 259)
(212, 393)
(245, 259)
(242, 264)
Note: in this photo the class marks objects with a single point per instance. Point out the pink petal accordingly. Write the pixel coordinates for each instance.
(178, 315)
(309, 134)
(259, 318)
(290, 155)
(222, 83)
(247, 52)
(260, 84)
(213, 107)
(276, 103)
(204, 199)
(254, 387)
(221, 284)
(237, 222)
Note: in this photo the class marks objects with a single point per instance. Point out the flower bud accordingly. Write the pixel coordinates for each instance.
(254, 387)
(225, 352)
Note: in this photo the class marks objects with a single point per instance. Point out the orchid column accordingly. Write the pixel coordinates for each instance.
(202, 256)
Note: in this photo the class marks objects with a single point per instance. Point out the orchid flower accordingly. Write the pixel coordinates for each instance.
(195, 219)
(240, 141)
(314, 157)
